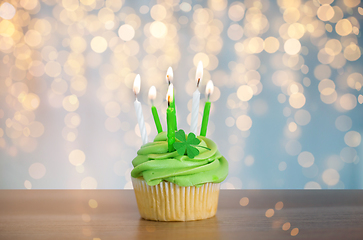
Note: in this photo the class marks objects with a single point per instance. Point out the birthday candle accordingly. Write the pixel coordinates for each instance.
(208, 91)
(138, 108)
(169, 79)
(196, 100)
(152, 96)
(170, 119)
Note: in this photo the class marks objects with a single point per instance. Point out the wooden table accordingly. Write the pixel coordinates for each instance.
(113, 214)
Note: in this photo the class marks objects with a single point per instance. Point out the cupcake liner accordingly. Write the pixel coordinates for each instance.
(170, 202)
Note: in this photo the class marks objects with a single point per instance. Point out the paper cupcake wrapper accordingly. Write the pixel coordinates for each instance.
(170, 202)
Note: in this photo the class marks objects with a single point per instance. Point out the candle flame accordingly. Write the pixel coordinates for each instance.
(137, 83)
(210, 88)
(169, 75)
(152, 93)
(199, 73)
(169, 95)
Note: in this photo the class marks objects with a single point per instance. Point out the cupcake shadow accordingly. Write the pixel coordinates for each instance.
(200, 229)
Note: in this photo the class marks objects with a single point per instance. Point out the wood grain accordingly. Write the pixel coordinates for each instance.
(66, 214)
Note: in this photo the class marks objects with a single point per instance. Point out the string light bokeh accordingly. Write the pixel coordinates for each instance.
(286, 109)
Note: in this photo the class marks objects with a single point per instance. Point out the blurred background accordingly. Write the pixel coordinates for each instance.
(286, 110)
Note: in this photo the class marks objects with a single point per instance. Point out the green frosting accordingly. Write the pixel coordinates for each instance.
(155, 164)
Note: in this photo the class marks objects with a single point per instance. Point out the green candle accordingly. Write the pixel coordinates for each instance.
(209, 90)
(152, 96)
(170, 114)
(170, 119)
(203, 129)
(156, 119)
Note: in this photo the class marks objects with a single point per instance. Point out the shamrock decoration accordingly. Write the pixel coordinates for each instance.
(189, 145)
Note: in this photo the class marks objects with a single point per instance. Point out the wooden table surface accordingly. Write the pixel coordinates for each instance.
(113, 214)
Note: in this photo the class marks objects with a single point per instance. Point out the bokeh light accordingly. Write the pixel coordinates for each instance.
(294, 231)
(88, 183)
(77, 157)
(286, 226)
(7, 11)
(37, 170)
(126, 32)
(244, 201)
(93, 203)
(269, 213)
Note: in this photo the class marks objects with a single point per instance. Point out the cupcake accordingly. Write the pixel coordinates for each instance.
(179, 185)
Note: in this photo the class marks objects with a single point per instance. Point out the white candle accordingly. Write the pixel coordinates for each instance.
(196, 100)
(195, 111)
(138, 109)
